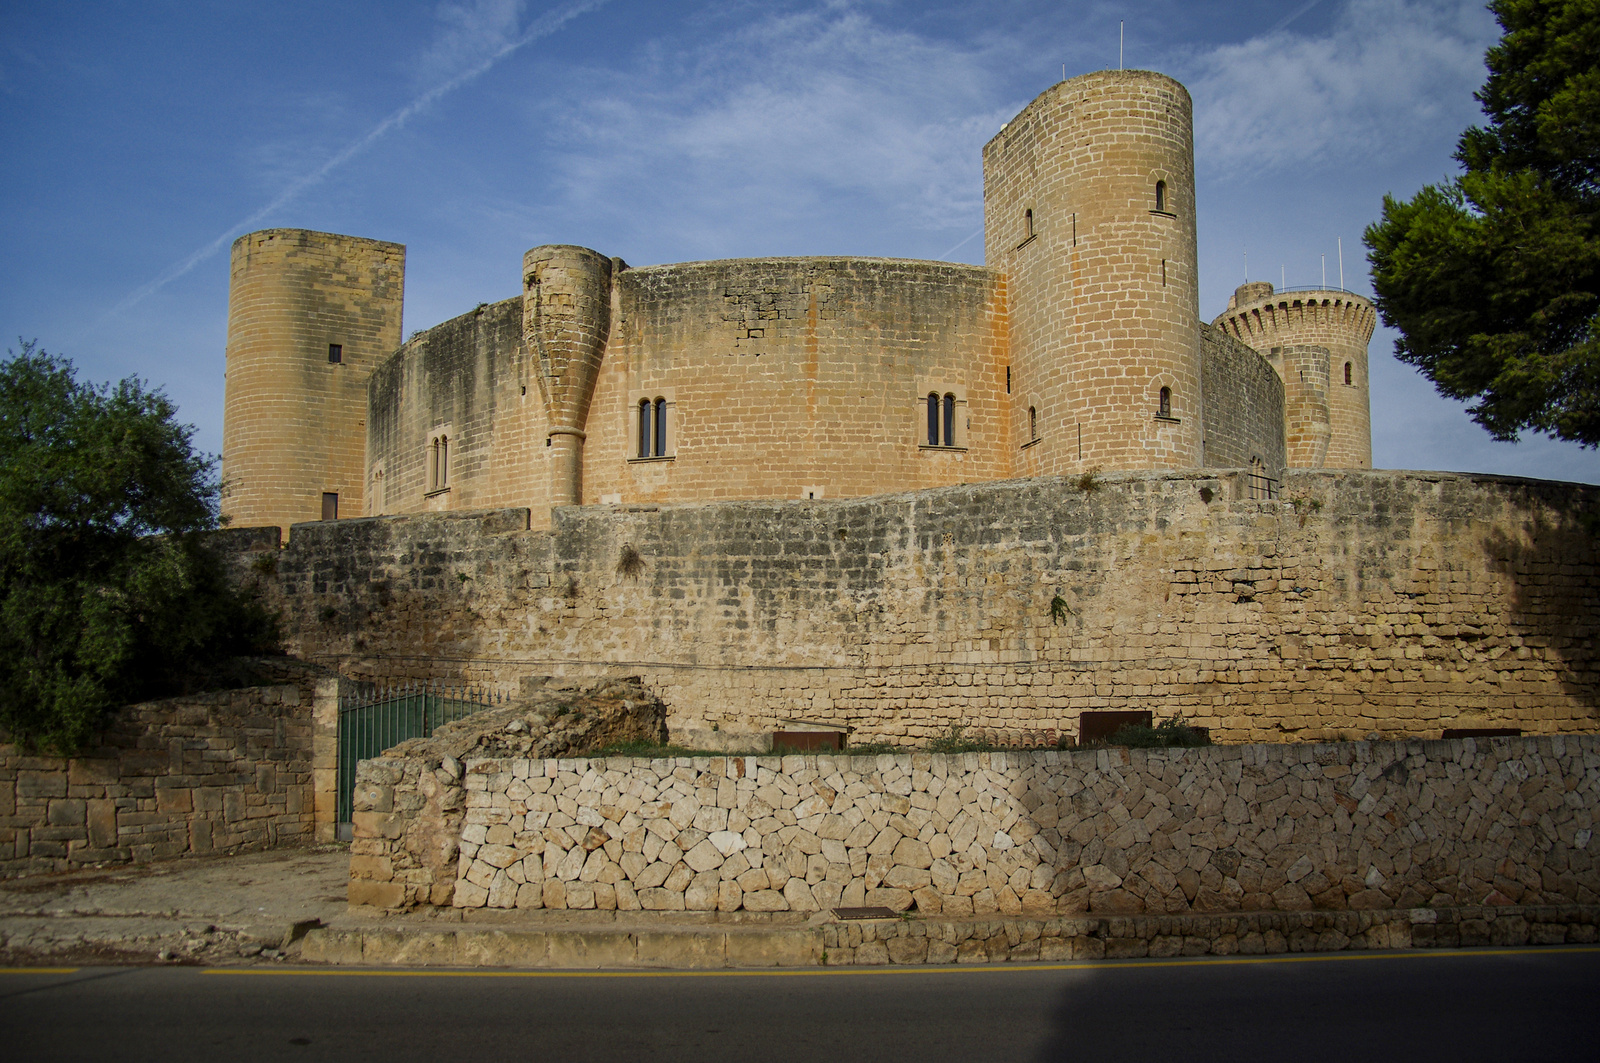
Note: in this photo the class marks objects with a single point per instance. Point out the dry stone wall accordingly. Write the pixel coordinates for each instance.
(1357, 603)
(1336, 827)
(198, 774)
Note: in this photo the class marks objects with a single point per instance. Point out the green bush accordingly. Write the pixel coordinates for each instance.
(1167, 734)
(108, 593)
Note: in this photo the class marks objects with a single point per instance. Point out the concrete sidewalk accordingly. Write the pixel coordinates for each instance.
(289, 905)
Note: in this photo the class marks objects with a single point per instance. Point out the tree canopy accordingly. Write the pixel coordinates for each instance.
(1493, 278)
(107, 592)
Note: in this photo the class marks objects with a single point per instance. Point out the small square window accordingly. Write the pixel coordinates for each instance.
(335, 353)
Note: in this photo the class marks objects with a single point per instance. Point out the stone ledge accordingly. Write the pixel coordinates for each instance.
(681, 945)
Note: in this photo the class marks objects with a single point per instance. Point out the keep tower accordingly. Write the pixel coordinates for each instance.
(1089, 212)
(309, 316)
(1317, 341)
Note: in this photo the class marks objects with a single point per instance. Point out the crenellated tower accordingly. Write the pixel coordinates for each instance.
(1317, 341)
(1089, 212)
(309, 316)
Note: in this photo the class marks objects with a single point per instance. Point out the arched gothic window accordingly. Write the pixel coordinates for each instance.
(439, 462)
(1161, 195)
(645, 432)
(933, 418)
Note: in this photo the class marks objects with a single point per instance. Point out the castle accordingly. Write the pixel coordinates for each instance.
(1078, 346)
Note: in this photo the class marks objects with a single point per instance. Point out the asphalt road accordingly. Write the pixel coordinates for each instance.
(1521, 1005)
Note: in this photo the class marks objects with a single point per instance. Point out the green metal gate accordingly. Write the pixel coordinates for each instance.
(382, 717)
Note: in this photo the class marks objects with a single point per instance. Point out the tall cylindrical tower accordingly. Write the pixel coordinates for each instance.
(566, 320)
(1337, 322)
(1089, 211)
(309, 316)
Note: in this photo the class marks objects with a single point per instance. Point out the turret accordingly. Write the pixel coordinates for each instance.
(566, 320)
(1317, 341)
(309, 316)
(1089, 212)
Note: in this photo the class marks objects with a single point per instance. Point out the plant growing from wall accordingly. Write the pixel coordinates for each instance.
(1167, 734)
(630, 564)
(107, 591)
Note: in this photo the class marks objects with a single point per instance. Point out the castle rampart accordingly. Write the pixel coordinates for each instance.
(1390, 603)
(309, 316)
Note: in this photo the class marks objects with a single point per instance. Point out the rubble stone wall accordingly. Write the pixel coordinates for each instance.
(1338, 827)
(199, 774)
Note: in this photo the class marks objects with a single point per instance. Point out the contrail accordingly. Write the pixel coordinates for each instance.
(1302, 9)
(541, 27)
(959, 246)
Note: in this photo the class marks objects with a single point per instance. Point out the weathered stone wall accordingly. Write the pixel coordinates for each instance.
(197, 774)
(1243, 405)
(462, 379)
(293, 421)
(1392, 603)
(1353, 826)
(783, 378)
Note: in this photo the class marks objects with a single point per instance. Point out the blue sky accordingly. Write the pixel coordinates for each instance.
(140, 138)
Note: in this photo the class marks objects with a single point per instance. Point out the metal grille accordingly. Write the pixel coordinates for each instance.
(1260, 487)
(381, 717)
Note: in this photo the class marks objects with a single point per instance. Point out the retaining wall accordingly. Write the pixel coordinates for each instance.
(199, 774)
(1394, 603)
(1337, 827)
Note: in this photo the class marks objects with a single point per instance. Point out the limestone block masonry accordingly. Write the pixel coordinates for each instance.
(1391, 603)
(1338, 827)
(309, 316)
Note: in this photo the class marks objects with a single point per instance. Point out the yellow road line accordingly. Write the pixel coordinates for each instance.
(38, 970)
(911, 969)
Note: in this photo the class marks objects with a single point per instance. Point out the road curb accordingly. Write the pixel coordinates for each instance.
(945, 941)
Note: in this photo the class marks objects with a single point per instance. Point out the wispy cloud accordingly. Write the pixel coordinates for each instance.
(476, 39)
(764, 128)
(1385, 74)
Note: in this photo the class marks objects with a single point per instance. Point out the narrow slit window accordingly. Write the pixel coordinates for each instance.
(933, 418)
(661, 427)
(1033, 423)
(645, 435)
(1008, 380)
(1027, 223)
(335, 353)
(1161, 195)
(1347, 372)
(1164, 409)
(950, 420)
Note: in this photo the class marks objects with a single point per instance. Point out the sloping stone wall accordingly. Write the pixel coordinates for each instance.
(1395, 603)
(198, 774)
(1353, 826)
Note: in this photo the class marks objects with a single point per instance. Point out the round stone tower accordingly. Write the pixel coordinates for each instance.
(1317, 341)
(1089, 212)
(566, 321)
(309, 316)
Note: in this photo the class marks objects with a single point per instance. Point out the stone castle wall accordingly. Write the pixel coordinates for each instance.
(292, 421)
(1391, 603)
(1244, 410)
(198, 774)
(1352, 826)
(783, 378)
